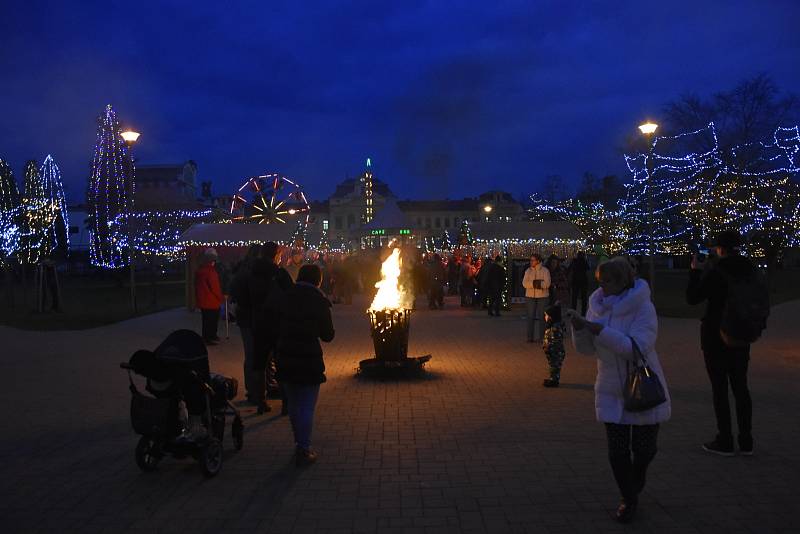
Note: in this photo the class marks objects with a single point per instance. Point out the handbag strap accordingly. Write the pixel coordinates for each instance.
(637, 352)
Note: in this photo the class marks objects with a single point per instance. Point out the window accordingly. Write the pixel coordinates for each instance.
(438, 222)
(455, 221)
(427, 222)
(447, 222)
(338, 222)
(351, 221)
(419, 222)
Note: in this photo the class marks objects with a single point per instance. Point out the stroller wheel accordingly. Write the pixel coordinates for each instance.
(211, 457)
(148, 453)
(237, 431)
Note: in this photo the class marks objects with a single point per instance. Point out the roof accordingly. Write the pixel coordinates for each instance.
(218, 234)
(353, 185)
(162, 172)
(526, 230)
(467, 204)
(389, 216)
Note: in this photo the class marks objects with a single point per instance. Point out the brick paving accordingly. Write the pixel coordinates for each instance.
(476, 446)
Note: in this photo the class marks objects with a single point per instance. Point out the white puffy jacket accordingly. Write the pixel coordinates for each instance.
(630, 314)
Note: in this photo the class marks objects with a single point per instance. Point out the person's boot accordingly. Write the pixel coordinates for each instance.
(304, 457)
(720, 446)
(745, 445)
(626, 511)
(622, 467)
(550, 383)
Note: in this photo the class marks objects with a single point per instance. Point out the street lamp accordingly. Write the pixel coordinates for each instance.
(130, 137)
(648, 129)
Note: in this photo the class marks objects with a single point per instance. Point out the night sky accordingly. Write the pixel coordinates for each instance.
(447, 101)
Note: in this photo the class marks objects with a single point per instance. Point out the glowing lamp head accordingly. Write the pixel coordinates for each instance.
(487, 209)
(292, 211)
(648, 128)
(130, 137)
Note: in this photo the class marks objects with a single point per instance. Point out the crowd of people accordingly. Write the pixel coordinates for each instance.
(284, 313)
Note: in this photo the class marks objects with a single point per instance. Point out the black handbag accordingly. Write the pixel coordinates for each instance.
(643, 389)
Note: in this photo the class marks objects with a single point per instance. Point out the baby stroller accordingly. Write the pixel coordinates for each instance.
(183, 392)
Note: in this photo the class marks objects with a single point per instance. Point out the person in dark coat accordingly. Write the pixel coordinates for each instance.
(708, 281)
(436, 280)
(579, 281)
(267, 284)
(306, 320)
(495, 282)
(240, 294)
(452, 275)
(481, 283)
(208, 295)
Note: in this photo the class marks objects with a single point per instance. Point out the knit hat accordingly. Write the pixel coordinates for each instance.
(554, 312)
(210, 253)
(729, 239)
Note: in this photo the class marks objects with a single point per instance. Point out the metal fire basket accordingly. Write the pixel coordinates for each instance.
(390, 333)
(389, 329)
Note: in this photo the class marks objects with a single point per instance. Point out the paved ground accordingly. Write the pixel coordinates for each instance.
(477, 446)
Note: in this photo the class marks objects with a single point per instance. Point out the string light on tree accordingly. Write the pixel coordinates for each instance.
(53, 191)
(9, 192)
(110, 191)
(156, 233)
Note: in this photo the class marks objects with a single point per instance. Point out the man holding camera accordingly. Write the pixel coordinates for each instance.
(537, 295)
(727, 281)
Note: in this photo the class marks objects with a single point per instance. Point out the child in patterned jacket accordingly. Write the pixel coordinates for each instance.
(553, 344)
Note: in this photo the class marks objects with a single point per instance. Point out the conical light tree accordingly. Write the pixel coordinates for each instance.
(110, 191)
(9, 193)
(38, 214)
(465, 234)
(53, 190)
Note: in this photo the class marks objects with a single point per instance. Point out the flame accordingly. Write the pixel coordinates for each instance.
(391, 295)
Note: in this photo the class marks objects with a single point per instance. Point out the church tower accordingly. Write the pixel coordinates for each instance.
(366, 189)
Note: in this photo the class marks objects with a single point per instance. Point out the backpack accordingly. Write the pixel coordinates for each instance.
(746, 308)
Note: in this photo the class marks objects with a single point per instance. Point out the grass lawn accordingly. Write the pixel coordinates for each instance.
(88, 302)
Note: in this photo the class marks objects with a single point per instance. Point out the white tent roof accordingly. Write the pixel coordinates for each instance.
(219, 234)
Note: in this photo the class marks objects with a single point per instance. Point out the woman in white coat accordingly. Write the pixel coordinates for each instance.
(621, 310)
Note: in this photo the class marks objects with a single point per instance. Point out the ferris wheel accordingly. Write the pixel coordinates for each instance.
(270, 199)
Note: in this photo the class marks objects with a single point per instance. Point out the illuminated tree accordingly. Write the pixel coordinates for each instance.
(110, 191)
(52, 189)
(465, 234)
(9, 193)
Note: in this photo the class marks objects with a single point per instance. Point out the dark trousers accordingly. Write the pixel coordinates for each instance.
(728, 365)
(580, 291)
(631, 448)
(302, 400)
(436, 296)
(210, 320)
(467, 292)
(495, 298)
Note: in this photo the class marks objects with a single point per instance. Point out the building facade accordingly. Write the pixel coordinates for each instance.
(166, 187)
(343, 214)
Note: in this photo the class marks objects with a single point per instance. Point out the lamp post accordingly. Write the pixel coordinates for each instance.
(130, 137)
(649, 129)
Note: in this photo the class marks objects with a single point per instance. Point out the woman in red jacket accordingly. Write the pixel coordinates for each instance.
(208, 295)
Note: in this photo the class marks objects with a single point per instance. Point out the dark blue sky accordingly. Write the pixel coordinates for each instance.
(448, 101)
